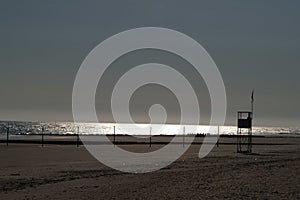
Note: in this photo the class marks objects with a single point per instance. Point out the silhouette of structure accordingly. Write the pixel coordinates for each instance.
(244, 132)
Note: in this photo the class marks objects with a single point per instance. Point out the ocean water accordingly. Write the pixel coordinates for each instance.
(131, 129)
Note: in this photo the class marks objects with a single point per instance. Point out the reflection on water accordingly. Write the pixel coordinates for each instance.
(142, 129)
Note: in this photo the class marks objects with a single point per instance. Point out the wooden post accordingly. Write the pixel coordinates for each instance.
(7, 135)
(218, 136)
(42, 136)
(77, 143)
(183, 136)
(237, 135)
(150, 143)
(114, 135)
(31, 128)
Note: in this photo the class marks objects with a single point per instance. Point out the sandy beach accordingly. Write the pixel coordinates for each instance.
(28, 171)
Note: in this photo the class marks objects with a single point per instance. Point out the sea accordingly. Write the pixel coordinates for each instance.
(62, 128)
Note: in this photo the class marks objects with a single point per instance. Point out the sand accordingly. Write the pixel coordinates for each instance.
(28, 171)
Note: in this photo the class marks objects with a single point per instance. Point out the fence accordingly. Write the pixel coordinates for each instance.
(69, 134)
(38, 133)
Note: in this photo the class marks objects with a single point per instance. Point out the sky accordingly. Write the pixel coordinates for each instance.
(255, 45)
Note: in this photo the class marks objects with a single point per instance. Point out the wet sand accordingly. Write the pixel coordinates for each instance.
(28, 171)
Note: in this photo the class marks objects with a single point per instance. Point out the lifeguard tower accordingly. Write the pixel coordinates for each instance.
(244, 132)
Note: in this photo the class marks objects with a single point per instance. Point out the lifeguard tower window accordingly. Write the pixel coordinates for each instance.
(244, 119)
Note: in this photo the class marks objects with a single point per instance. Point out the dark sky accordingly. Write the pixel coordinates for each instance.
(255, 44)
